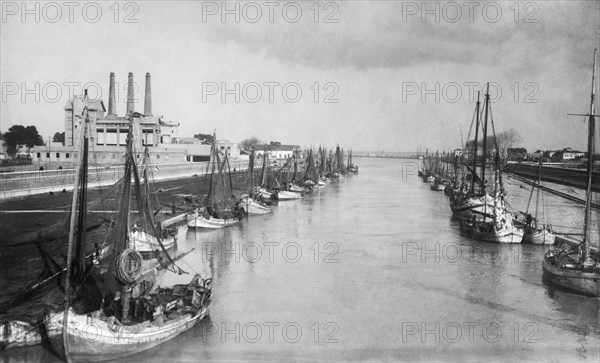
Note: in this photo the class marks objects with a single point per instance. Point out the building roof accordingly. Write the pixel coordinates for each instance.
(96, 105)
(275, 147)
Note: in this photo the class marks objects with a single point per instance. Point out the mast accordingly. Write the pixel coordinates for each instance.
(537, 197)
(68, 289)
(475, 145)
(485, 124)
(588, 195)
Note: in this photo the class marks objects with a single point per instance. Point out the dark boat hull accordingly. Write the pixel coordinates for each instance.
(587, 283)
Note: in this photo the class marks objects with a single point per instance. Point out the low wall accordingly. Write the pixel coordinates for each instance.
(18, 184)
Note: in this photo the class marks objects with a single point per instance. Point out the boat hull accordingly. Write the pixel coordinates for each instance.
(477, 207)
(94, 341)
(506, 234)
(287, 195)
(538, 237)
(252, 207)
(196, 220)
(146, 244)
(296, 188)
(587, 283)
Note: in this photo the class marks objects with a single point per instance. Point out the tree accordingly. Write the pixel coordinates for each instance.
(21, 135)
(59, 137)
(508, 139)
(247, 144)
(505, 140)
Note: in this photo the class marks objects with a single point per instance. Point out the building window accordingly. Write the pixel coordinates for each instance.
(157, 156)
(67, 155)
(57, 155)
(39, 155)
(47, 155)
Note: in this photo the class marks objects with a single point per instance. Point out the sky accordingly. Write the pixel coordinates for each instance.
(367, 75)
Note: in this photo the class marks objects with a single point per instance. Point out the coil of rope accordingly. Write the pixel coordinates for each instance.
(114, 325)
(128, 266)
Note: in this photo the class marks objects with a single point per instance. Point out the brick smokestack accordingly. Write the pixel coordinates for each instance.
(111, 96)
(130, 94)
(148, 97)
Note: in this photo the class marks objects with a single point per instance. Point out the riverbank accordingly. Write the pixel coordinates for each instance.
(572, 177)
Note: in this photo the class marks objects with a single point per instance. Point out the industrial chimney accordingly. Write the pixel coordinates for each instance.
(148, 97)
(111, 96)
(130, 94)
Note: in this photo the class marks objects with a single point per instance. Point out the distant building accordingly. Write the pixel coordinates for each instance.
(570, 154)
(276, 151)
(232, 149)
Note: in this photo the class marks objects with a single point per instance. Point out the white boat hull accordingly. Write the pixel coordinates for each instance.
(477, 207)
(196, 220)
(539, 237)
(252, 207)
(92, 340)
(146, 243)
(287, 195)
(295, 188)
(507, 233)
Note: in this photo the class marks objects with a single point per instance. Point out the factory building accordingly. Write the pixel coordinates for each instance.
(109, 131)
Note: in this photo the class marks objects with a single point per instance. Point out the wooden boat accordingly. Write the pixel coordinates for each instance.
(93, 339)
(295, 188)
(571, 264)
(251, 206)
(18, 333)
(438, 185)
(496, 223)
(351, 167)
(503, 231)
(465, 207)
(534, 233)
(101, 295)
(219, 209)
(287, 195)
(201, 220)
(146, 243)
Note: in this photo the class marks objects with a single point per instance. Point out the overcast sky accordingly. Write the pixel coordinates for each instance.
(375, 58)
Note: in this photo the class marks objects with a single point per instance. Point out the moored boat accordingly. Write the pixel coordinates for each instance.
(250, 206)
(118, 294)
(571, 264)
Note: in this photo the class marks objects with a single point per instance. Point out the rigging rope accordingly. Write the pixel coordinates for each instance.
(128, 266)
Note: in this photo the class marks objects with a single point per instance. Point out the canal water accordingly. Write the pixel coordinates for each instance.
(374, 268)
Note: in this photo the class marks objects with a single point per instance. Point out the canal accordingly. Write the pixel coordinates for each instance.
(374, 268)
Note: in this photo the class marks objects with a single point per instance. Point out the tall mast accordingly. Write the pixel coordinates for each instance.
(68, 288)
(537, 197)
(475, 145)
(588, 194)
(485, 123)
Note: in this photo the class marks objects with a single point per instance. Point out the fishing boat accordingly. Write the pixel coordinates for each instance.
(102, 295)
(472, 201)
(288, 195)
(572, 264)
(537, 234)
(145, 233)
(495, 224)
(219, 209)
(247, 204)
(351, 167)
